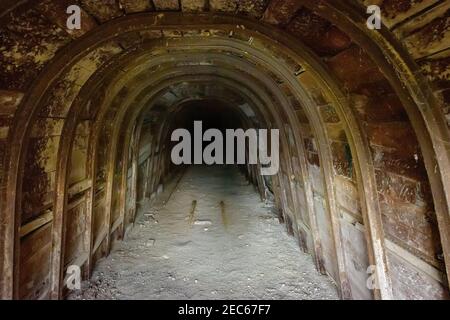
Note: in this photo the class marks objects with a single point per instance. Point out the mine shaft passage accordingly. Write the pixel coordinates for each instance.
(208, 236)
(355, 204)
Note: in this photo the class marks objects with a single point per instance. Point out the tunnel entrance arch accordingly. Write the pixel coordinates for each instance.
(328, 183)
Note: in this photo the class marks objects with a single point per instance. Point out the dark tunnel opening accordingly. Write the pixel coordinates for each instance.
(212, 114)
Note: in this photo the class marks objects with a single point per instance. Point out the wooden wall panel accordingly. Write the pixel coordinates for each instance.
(35, 260)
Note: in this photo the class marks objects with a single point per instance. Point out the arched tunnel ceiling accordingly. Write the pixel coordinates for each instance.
(308, 67)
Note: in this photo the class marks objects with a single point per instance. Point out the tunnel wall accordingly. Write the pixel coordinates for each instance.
(406, 189)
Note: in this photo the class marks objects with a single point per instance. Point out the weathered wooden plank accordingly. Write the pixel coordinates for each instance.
(36, 224)
(79, 187)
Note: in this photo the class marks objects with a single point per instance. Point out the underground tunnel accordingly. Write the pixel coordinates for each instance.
(92, 205)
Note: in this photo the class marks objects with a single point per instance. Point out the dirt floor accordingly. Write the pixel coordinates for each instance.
(213, 239)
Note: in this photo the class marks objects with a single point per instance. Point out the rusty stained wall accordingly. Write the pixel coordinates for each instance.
(404, 193)
(28, 41)
(39, 184)
(405, 196)
(424, 28)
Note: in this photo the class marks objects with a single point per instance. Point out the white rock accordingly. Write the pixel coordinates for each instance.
(203, 223)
